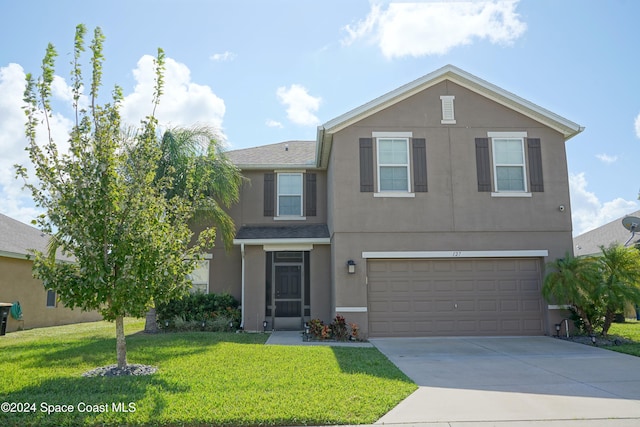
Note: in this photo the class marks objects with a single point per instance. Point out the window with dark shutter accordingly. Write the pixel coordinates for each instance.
(269, 194)
(366, 165)
(310, 194)
(483, 164)
(535, 165)
(419, 165)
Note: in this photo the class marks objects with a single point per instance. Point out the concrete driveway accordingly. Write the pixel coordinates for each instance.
(513, 381)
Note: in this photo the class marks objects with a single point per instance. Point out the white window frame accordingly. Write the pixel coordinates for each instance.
(197, 285)
(497, 136)
(380, 165)
(279, 175)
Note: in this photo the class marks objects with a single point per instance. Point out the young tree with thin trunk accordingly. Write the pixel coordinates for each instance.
(103, 205)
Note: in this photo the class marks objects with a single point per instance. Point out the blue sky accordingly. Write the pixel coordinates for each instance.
(270, 71)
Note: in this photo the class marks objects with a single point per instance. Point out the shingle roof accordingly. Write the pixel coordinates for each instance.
(283, 154)
(268, 232)
(613, 232)
(18, 239)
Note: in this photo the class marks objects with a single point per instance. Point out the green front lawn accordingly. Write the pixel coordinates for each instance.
(629, 330)
(203, 379)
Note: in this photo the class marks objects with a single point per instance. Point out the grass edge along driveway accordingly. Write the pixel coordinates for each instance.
(203, 379)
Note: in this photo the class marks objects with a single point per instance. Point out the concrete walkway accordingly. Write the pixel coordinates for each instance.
(513, 382)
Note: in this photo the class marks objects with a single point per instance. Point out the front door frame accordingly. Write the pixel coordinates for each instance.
(286, 323)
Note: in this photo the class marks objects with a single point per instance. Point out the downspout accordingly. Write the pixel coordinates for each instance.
(242, 297)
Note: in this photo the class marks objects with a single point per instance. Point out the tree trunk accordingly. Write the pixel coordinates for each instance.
(121, 344)
(585, 319)
(151, 322)
(608, 320)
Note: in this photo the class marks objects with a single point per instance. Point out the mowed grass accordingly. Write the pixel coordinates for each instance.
(629, 330)
(203, 379)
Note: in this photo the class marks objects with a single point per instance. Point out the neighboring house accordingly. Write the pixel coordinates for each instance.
(429, 211)
(612, 233)
(40, 307)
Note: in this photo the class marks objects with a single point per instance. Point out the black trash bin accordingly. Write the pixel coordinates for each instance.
(4, 317)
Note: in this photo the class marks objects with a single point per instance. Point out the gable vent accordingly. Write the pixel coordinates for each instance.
(448, 117)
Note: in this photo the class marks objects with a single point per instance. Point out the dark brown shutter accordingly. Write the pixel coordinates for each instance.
(310, 194)
(419, 165)
(366, 165)
(269, 194)
(483, 164)
(535, 165)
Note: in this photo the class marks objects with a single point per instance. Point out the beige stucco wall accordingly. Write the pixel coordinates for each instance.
(250, 209)
(452, 215)
(18, 284)
(225, 273)
(255, 285)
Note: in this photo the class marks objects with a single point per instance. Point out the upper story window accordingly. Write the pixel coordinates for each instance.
(393, 164)
(508, 164)
(289, 194)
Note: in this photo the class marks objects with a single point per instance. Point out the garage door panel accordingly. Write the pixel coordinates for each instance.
(532, 305)
(487, 305)
(530, 286)
(465, 305)
(464, 285)
(454, 297)
(400, 306)
(485, 285)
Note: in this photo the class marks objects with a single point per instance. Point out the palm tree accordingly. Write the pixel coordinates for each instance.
(573, 281)
(193, 166)
(194, 159)
(620, 283)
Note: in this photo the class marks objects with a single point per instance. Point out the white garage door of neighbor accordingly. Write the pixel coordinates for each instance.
(455, 297)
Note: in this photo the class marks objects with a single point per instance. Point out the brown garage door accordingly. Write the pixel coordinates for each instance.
(454, 297)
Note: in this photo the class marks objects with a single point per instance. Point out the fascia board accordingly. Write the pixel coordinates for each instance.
(314, 241)
(454, 254)
(271, 166)
(467, 80)
(15, 255)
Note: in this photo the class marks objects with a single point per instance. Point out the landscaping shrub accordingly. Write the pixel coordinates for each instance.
(337, 330)
(219, 312)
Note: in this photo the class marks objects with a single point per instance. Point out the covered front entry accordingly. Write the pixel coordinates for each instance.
(455, 297)
(287, 289)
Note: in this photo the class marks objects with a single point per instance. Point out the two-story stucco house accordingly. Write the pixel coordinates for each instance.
(429, 211)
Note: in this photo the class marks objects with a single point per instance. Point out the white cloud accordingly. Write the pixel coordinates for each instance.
(434, 28)
(183, 103)
(637, 126)
(300, 105)
(16, 202)
(273, 124)
(607, 159)
(588, 212)
(222, 57)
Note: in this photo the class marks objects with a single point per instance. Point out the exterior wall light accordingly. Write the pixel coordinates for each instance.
(351, 266)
